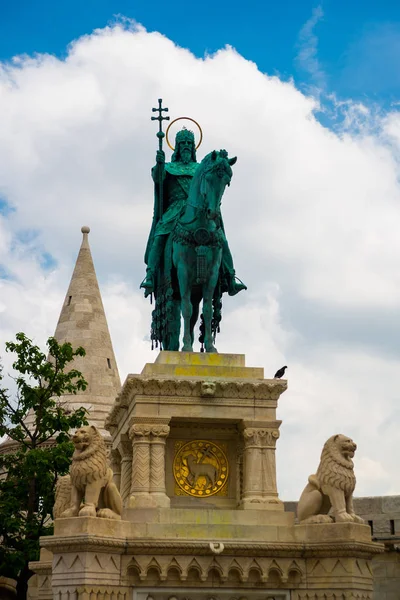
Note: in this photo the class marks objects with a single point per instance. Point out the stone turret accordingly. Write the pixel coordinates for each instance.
(83, 323)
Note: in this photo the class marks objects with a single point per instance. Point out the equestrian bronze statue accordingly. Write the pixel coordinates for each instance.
(187, 256)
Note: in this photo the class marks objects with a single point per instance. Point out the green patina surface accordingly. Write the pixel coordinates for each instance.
(187, 255)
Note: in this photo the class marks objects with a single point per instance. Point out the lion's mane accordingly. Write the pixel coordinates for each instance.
(62, 495)
(90, 463)
(335, 468)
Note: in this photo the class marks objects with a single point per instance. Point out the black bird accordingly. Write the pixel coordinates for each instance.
(280, 372)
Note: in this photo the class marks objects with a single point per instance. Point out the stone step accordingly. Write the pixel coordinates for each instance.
(166, 357)
(209, 516)
(197, 532)
(203, 371)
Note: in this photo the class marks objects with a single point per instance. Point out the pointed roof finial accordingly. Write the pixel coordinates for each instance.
(85, 242)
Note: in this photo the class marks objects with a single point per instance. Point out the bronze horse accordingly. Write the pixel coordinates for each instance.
(197, 245)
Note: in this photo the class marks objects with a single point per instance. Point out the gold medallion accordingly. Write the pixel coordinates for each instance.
(200, 468)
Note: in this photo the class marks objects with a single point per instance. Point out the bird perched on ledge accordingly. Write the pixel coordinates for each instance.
(280, 372)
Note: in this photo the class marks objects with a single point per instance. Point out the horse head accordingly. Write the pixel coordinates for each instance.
(212, 177)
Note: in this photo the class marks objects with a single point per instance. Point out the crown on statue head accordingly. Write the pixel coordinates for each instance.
(184, 135)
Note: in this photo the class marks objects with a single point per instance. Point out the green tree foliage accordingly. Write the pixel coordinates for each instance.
(31, 458)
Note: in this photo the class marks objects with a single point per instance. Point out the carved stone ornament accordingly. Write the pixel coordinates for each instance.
(265, 438)
(146, 429)
(332, 486)
(89, 490)
(208, 389)
(201, 468)
(191, 390)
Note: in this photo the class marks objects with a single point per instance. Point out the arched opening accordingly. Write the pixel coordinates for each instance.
(234, 576)
(173, 575)
(214, 577)
(274, 577)
(254, 576)
(153, 576)
(294, 576)
(193, 576)
(133, 575)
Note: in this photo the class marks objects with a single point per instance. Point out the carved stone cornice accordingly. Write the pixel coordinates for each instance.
(41, 567)
(94, 543)
(138, 430)
(260, 437)
(146, 429)
(125, 450)
(160, 431)
(99, 592)
(185, 389)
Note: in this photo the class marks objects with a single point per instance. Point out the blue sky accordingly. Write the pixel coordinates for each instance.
(356, 44)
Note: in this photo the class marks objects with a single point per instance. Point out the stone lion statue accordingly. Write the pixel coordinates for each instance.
(88, 490)
(331, 489)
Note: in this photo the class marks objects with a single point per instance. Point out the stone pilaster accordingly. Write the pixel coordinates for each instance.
(125, 450)
(259, 468)
(157, 465)
(140, 480)
(148, 464)
(115, 463)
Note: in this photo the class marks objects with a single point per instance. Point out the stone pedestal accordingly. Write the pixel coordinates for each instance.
(187, 396)
(196, 436)
(203, 553)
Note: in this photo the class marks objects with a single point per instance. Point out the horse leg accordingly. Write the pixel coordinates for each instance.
(181, 262)
(173, 337)
(196, 298)
(207, 314)
(186, 307)
(208, 293)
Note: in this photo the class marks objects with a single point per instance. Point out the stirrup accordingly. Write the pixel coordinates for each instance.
(148, 281)
(148, 286)
(236, 285)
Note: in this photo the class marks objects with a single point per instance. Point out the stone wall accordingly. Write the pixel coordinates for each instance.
(382, 513)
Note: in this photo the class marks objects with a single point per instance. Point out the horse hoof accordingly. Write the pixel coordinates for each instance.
(187, 348)
(212, 349)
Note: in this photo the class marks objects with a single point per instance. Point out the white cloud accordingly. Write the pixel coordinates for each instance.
(311, 215)
(307, 57)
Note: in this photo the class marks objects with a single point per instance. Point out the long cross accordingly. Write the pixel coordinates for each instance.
(206, 453)
(160, 134)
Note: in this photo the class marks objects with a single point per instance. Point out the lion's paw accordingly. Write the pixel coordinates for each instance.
(315, 519)
(88, 510)
(357, 519)
(344, 518)
(70, 512)
(106, 513)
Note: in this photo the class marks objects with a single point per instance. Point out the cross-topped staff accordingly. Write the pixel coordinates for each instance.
(160, 134)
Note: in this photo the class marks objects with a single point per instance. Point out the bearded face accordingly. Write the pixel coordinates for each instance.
(185, 151)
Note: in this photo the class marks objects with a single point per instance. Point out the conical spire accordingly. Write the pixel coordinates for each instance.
(83, 323)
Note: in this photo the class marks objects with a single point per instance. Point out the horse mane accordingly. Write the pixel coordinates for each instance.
(207, 164)
(203, 167)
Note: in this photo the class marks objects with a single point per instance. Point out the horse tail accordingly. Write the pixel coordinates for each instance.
(202, 332)
(217, 311)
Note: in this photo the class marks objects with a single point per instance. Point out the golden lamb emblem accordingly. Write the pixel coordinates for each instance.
(200, 468)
